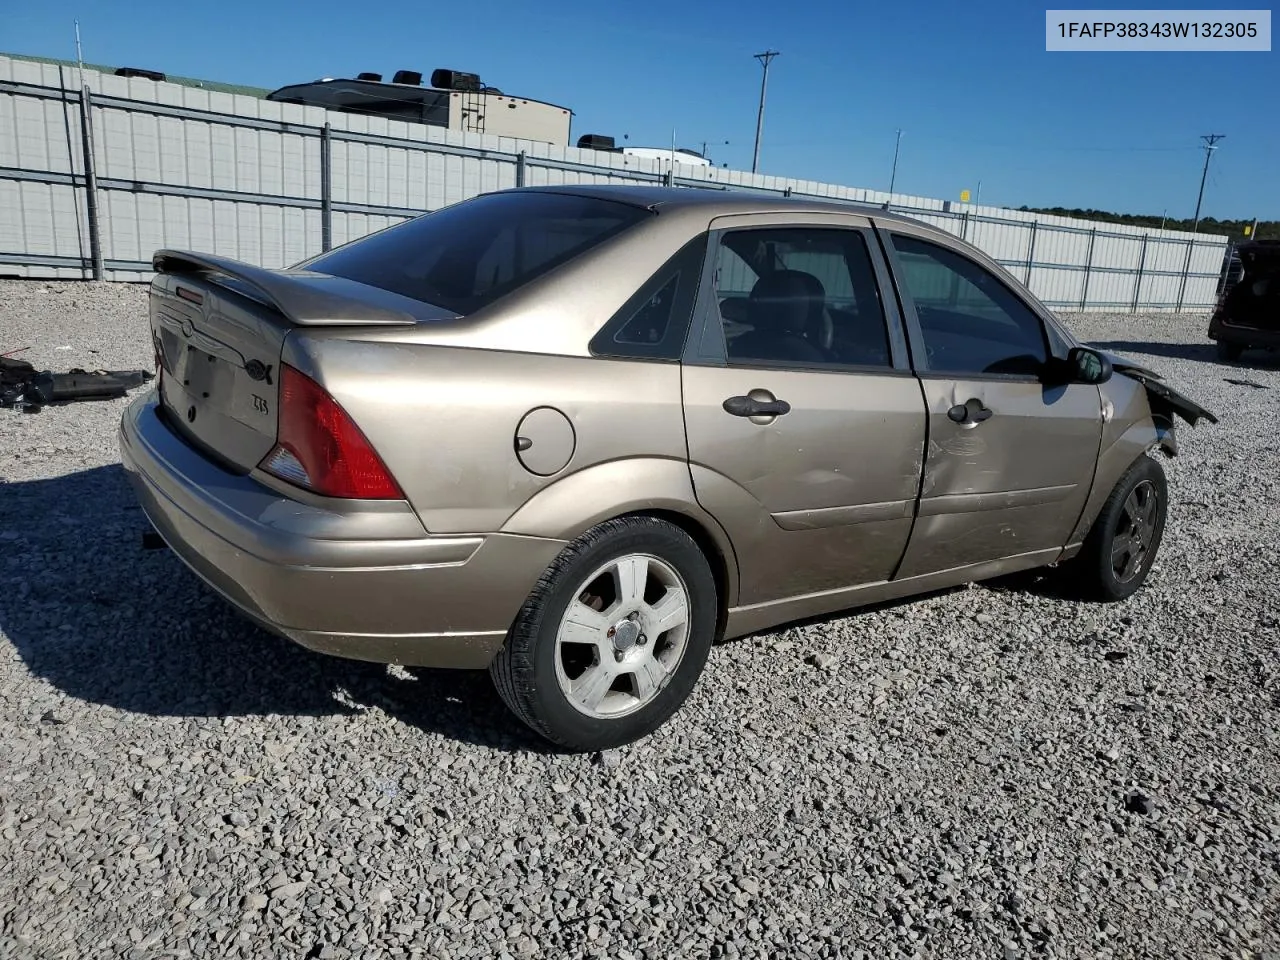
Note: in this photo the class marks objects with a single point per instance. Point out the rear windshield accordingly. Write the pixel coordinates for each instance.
(469, 254)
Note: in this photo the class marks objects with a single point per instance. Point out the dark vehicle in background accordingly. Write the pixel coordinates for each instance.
(1248, 310)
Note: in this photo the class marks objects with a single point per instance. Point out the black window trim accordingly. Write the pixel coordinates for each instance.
(707, 332)
(689, 262)
(915, 333)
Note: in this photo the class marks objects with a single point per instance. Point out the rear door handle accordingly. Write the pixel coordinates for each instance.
(751, 407)
(971, 411)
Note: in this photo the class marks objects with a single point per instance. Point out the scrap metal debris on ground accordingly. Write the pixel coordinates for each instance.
(24, 388)
(1246, 383)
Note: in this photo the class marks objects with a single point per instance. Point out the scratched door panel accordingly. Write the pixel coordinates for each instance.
(815, 499)
(1011, 484)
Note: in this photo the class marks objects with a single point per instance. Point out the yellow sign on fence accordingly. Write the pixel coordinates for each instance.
(964, 196)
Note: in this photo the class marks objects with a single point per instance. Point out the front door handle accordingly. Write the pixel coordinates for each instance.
(971, 411)
(751, 407)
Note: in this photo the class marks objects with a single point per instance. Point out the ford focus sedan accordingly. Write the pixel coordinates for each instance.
(575, 435)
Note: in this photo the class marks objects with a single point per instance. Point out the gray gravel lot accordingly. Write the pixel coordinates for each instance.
(993, 772)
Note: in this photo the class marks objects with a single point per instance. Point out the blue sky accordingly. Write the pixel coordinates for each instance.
(970, 84)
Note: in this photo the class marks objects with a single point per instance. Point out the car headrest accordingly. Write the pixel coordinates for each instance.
(787, 300)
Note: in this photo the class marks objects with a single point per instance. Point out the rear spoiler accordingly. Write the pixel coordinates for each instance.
(306, 298)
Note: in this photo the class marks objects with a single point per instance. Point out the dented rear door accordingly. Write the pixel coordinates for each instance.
(811, 465)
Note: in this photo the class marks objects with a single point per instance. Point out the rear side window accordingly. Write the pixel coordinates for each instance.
(653, 323)
(800, 296)
(468, 255)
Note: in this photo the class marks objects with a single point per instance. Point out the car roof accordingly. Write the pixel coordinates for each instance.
(715, 202)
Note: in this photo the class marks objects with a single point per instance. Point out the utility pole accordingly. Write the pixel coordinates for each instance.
(764, 59)
(79, 54)
(893, 177)
(1209, 147)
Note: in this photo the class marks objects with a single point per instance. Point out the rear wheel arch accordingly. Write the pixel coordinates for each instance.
(539, 671)
(657, 487)
(723, 568)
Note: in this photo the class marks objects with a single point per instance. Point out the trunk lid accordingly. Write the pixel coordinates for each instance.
(219, 329)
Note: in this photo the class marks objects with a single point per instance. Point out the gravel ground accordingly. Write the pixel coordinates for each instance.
(993, 772)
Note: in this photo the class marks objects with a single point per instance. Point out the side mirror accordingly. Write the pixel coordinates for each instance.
(1086, 365)
(1081, 365)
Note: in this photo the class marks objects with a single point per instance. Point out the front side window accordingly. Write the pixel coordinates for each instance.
(468, 255)
(800, 296)
(969, 320)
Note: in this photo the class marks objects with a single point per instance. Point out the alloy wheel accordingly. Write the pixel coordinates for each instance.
(622, 636)
(1135, 533)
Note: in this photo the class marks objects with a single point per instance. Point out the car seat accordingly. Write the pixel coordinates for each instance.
(789, 320)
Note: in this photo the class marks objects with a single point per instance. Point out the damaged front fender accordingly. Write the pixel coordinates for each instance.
(1166, 435)
(1165, 402)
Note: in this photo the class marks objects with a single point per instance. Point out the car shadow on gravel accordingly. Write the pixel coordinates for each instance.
(1204, 352)
(108, 622)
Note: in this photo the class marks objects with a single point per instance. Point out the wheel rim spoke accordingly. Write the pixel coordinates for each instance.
(668, 613)
(1143, 540)
(592, 686)
(1119, 550)
(582, 625)
(1132, 561)
(1131, 511)
(1149, 508)
(631, 576)
(649, 677)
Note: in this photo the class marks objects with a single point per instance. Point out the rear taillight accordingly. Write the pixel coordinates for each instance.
(319, 447)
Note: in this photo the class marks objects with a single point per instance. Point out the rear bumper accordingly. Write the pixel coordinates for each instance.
(1225, 332)
(362, 580)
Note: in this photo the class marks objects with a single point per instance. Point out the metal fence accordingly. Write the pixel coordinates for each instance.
(97, 171)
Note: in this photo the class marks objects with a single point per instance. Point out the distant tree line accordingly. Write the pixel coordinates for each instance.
(1267, 229)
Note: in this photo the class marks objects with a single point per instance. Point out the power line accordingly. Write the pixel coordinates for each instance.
(995, 145)
(764, 59)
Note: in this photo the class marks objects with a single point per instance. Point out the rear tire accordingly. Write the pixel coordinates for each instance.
(1229, 352)
(1121, 546)
(613, 638)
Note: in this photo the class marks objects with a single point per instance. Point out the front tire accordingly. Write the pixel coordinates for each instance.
(1121, 547)
(1229, 352)
(613, 638)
